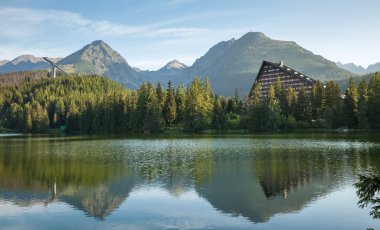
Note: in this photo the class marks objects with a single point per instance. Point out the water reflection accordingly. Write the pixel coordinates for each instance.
(251, 177)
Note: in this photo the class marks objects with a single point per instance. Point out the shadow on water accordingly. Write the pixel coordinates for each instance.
(247, 176)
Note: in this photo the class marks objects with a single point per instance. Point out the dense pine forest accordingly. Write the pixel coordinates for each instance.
(92, 104)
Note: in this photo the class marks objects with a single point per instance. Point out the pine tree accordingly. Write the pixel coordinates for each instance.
(302, 110)
(180, 99)
(160, 95)
(290, 101)
(28, 117)
(73, 118)
(333, 112)
(219, 114)
(374, 101)
(350, 104)
(273, 103)
(208, 95)
(170, 108)
(141, 107)
(152, 121)
(197, 108)
(318, 100)
(363, 105)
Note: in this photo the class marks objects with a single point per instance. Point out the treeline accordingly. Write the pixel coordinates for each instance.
(17, 78)
(324, 107)
(91, 104)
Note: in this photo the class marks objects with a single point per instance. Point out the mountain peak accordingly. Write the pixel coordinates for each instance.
(26, 58)
(97, 54)
(255, 36)
(3, 62)
(174, 64)
(98, 42)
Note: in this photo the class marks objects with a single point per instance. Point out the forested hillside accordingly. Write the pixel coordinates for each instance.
(17, 78)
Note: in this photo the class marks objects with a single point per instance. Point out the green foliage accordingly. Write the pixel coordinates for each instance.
(374, 101)
(219, 114)
(350, 105)
(303, 110)
(198, 106)
(180, 99)
(368, 189)
(362, 113)
(91, 104)
(170, 108)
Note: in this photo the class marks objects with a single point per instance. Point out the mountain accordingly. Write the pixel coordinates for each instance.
(173, 65)
(99, 58)
(229, 64)
(24, 63)
(360, 70)
(373, 68)
(235, 63)
(173, 71)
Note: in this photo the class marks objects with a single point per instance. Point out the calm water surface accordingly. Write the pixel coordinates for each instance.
(185, 182)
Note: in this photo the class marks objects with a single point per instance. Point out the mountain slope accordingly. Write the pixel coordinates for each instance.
(24, 63)
(17, 78)
(99, 58)
(373, 68)
(360, 70)
(173, 71)
(234, 63)
(352, 68)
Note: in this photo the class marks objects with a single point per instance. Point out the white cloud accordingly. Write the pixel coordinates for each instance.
(19, 23)
(180, 32)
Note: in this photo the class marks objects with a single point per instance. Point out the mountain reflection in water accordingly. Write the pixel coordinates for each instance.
(253, 177)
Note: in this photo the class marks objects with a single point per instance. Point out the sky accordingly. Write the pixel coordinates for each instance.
(150, 33)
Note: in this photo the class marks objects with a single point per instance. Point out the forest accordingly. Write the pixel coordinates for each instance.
(97, 105)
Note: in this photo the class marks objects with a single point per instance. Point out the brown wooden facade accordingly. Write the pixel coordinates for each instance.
(269, 73)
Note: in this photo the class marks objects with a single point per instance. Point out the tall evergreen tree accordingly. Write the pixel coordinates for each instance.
(302, 109)
(160, 95)
(197, 108)
(219, 114)
(350, 104)
(333, 113)
(363, 105)
(180, 99)
(170, 108)
(318, 100)
(152, 121)
(374, 101)
(290, 99)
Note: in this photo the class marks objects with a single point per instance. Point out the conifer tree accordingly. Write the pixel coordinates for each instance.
(318, 100)
(302, 110)
(374, 101)
(152, 120)
(170, 108)
(363, 105)
(219, 114)
(350, 104)
(180, 99)
(333, 112)
(197, 108)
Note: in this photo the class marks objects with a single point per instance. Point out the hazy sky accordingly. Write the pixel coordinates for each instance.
(149, 33)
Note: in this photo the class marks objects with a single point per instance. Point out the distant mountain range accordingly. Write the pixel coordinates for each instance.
(229, 64)
(358, 69)
(24, 63)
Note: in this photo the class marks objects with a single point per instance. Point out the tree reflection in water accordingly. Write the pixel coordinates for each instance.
(368, 191)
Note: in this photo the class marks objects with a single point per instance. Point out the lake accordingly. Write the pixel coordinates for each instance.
(281, 181)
